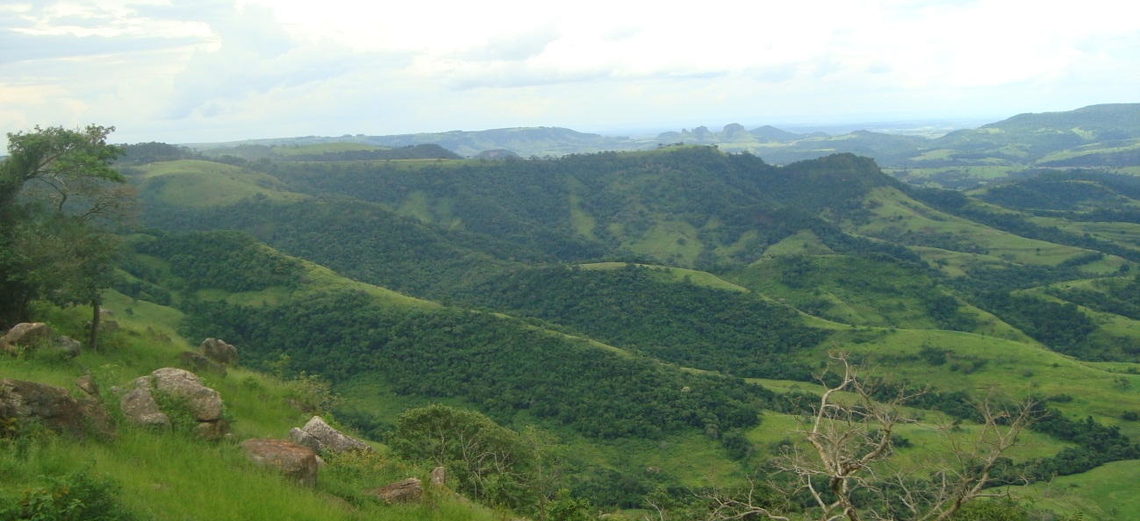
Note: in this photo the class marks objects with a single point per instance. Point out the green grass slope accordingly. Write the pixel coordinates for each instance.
(165, 475)
(196, 184)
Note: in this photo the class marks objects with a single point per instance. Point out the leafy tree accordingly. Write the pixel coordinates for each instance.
(59, 198)
(490, 462)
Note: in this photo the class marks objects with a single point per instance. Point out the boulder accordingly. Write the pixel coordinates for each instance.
(304, 439)
(29, 334)
(87, 384)
(68, 346)
(32, 336)
(438, 477)
(212, 431)
(405, 491)
(198, 362)
(331, 439)
(292, 460)
(219, 351)
(53, 407)
(139, 406)
(205, 404)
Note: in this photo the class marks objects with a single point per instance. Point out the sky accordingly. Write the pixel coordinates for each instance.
(218, 70)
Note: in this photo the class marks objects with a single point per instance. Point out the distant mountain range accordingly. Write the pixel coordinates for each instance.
(1094, 136)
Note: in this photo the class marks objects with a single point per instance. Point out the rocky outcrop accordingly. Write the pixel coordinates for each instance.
(33, 336)
(405, 491)
(200, 363)
(292, 460)
(53, 407)
(219, 351)
(140, 406)
(328, 438)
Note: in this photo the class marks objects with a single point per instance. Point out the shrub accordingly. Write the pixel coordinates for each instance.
(75, 497)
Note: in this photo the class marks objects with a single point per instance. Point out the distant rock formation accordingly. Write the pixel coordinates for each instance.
(405, 491)
(219, 351)
(200, 363)
(32, 336)
(53, 407)
(139, 404)
(292, 460)
(317, 432)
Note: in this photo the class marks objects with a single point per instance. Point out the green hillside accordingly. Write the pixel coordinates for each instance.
(638, 330)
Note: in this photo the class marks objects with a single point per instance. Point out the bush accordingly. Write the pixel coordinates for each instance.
(75, 497)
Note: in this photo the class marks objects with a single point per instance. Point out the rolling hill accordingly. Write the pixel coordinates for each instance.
(662, 313)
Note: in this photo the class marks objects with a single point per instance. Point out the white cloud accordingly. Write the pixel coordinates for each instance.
(226, 69)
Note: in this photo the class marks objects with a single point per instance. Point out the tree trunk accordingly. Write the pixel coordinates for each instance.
(93, 334)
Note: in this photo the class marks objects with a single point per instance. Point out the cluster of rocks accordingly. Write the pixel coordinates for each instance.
(37, 336)
(159, 398)
(299, 456)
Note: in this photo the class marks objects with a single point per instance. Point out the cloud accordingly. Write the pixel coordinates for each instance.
(515, 47)
(16, 46)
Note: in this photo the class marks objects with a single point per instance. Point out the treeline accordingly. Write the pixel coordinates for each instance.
(1062, 327)
(1096, 444)
(720, 330)
(499, 364)
(533, 203)
(1015, 223)
(222, 259)
(408, 152)
(359, 240)
(1121, 299)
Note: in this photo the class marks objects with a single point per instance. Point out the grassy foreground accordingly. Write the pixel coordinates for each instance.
(169, 475)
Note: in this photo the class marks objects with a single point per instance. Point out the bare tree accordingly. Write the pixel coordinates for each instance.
(845, 469)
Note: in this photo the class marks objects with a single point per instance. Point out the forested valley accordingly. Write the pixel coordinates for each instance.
(658, 334)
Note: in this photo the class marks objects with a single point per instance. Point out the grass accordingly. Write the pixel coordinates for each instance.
(672, 274)
(163, 475)
(675, 242)
(978, 363)
(803, 242)
(896, 213)
(200, 184)
(1102, 493)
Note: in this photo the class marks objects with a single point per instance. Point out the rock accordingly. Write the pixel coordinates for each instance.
(53, 407)
(331, 439)
(212, 431)
(438, 477)
(405, 491)
(87, 384)
(204, 402)
(304, 439)
(31, 336)
(292, 460)
(139, 404)
(66, 345)
(219, 351)
(199, 363)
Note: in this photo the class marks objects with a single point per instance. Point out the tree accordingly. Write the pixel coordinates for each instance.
(59, 200)
(488, 461)
(846, 473)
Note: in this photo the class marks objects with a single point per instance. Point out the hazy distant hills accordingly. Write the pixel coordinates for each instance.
(1100, 136)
